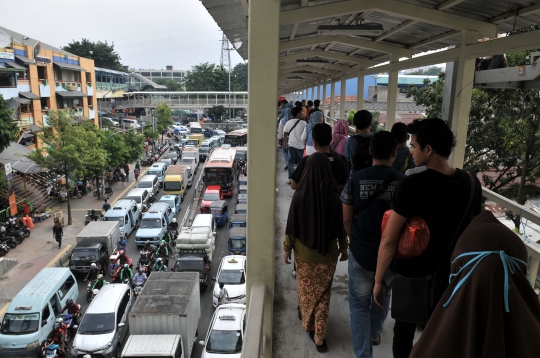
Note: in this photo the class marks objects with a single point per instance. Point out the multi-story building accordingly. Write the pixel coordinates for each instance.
(36, 77)
(167, 74)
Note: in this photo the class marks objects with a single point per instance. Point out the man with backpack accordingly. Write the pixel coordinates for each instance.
(404, 159)
(357, 147)
(292, 138)
(315, 116)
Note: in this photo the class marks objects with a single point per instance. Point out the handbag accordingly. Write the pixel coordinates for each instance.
(413, 297)
(413, 239)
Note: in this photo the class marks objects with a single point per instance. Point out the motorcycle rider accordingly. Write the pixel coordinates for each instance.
(144, 260)
(159, 265)
(148, 246)
(100, 282)
(126, 273)
(61, 321)
(122, 258)
(121, 244)
(173, 225)
(92, 274)
(57, 336)
(140, 277)
(73, 309)
(163, 251)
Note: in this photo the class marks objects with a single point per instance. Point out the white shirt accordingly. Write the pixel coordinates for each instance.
(295, 137)
(222, 295)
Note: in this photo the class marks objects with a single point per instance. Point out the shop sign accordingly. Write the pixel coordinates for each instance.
(7, 55)
(43, 60)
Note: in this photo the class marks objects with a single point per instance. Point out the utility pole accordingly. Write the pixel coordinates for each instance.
(225, 63)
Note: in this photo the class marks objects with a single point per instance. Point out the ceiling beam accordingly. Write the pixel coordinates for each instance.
(331, 55)
(435, 39)
(245, 6)
(318, 70)
(396, 29)
(396, 8)
(525, 11)
(326, 67)
(303, 3)
(448, 4)
(346, 40)
(329, 46)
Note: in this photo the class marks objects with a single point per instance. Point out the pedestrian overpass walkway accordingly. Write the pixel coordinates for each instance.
(178, 100)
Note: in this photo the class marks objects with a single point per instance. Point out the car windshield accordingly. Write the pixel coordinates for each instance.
(172, 155)
(216, 211)
(211, 196)
(238, 224)
(232, 277)
(224, 342)
(151, 224)
(171, 185)
(240, 156)
(237, 244)
(120, 219)
(154, 172)
(189, 265)
(97, 323)
(20, 323)
(84, 255)
(145, 184)
(136, 198)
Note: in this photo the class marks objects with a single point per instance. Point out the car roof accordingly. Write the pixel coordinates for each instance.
(136, 191)
(87, 245)
(218, 203)
(108, 298)
(121, 205)
(157, 164)
(150, 177)
(223, 315)
(237, 217)
(229, 264)
(213, 188)
(238, 231)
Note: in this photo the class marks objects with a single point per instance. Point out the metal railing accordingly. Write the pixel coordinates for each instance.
(255, 340)
(176, 102)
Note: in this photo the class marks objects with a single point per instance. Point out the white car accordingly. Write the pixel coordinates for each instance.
(232, 272)
(220, 133)
(226, 332)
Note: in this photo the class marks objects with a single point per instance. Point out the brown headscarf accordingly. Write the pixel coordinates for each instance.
(476, 322)
(315, 216)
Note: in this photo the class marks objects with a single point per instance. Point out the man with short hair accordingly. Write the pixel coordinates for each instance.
(315, 116)
(404, 159)
(309, 108)
(58, 233)
(366, 197)
(362, 122)
(292, 138)
(223, 293)
(283, 119)
(439, 195)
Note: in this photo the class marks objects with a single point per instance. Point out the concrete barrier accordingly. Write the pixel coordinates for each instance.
(7, 264)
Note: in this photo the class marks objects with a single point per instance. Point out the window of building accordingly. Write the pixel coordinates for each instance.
(88, 77)
(156, 74)
(45, 103)
(146, 74)
(177, 74)
(7, 80)
(42, 72)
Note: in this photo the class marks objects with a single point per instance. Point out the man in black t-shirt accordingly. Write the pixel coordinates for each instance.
(439, 195)
(322, 136)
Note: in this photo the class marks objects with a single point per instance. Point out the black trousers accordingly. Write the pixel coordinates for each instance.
(59, 240)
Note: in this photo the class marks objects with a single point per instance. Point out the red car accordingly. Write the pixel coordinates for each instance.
(212, 193)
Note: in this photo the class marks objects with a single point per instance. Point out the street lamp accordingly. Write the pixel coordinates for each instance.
(236, 46)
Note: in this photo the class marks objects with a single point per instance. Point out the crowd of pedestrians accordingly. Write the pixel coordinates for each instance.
(473, 268)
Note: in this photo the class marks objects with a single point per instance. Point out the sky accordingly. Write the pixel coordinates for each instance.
(146, 34)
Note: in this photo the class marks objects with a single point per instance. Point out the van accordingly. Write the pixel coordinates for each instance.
(139, 195)
(191, 153)
(131, 123)
(204, 150)
(218, 141)
(105, 323)
(31, 315)
(242, 189)
(150, 183)
(158, 169)
(127, 213)
(154, 223)
(167, 161)
(205, 220)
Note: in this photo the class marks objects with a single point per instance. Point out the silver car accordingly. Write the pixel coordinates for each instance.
(105, 323)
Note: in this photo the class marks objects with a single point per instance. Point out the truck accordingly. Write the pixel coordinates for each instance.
(199, 137)
(191, 153)
(176, 179)
(191, 163)
(95, 243)
(200, 238)
(165, 315)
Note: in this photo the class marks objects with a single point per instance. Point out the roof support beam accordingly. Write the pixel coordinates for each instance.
(435, 39)
(448, 4)
(521, 12)
(303, 3)
(326, 67)
(315, 70)
(396, 8)
(398, 28)
(346, 40)
(329, 46)
(331, 55)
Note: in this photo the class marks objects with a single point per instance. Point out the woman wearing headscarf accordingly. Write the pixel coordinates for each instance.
(316, 116)
(490, 308)
(315, 232)
(339, 137)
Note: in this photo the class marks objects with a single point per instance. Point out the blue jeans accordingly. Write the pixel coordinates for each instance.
(367, 318)
(295, 156)
(285, 153)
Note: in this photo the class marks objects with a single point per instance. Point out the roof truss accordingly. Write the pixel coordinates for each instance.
(326, 54)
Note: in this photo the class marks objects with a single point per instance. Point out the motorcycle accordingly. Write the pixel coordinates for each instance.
(68, 321)
(51, 351)
(8, 241)
(14, 235)
(23, 229)
(137, 289)
(75, 192)
(108, 191)
(4, 249)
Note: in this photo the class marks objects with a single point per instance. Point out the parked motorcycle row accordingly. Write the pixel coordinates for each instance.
(12, 234)
(153, 156)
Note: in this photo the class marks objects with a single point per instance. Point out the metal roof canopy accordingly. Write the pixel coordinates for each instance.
(15, 155)
(410, 27)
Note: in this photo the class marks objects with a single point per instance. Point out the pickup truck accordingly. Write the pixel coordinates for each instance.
(194, 260)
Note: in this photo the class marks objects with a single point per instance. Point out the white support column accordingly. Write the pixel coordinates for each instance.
(317, 91)
(360, 94)
(263, 52)
(391, 100)
(342, 114)
(461, 99)
(323, 99)
(313, 93)
(332, 98)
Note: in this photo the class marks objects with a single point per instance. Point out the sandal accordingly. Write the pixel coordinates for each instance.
(323, 348)
(299, 313)
(377, 341)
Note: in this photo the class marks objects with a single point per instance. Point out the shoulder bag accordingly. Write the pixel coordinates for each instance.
(412, 298)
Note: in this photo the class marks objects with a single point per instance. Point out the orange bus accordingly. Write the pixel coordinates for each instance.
(220, 169)
(237, 138)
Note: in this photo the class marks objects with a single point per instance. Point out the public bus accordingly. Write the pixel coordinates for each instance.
(237, 138)
(195, 128)
(220, 169)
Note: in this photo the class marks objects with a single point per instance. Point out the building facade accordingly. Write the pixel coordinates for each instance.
(36, 77)
(168, 74)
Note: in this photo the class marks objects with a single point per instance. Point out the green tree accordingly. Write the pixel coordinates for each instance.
(240, 73)
(8, 127)
(207, 77)
(103, 54)
(217, 112)
(350, 116)
(69, 148)
(431, 71)
(171, 85)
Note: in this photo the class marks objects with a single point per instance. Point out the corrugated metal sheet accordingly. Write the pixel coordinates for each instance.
(151, 344)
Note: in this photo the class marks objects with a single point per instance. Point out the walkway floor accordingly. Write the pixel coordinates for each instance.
(289, 338)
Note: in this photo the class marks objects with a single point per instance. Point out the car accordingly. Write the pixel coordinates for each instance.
(220, 133)
(212, 193)
(194, 260)
(225, 332)
(232, 272)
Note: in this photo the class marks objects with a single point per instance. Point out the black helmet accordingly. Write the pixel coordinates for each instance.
(69, 302)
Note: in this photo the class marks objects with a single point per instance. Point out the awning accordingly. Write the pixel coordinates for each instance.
(29, 95)
(27, 135)
(15, 102)
(8, 69)
(71, 94)
(69, 66)
(25, 60)
(35, 128)
(141, 78)
(15, 65)
(15, 155)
